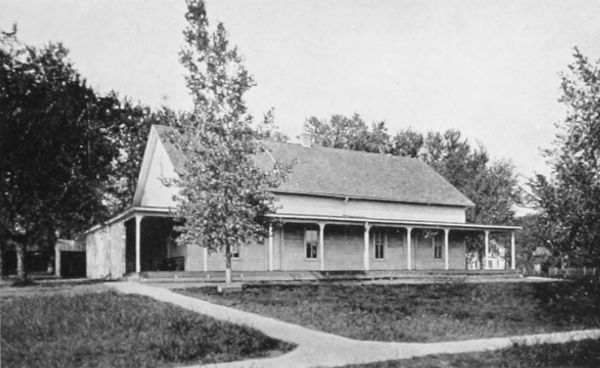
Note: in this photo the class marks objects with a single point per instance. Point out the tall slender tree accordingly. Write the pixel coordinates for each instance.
(569, 200)
(224, 196)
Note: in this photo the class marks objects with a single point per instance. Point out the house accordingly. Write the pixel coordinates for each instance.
(338, 210)
(496, 258)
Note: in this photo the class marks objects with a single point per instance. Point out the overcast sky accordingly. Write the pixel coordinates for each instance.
(487, 68)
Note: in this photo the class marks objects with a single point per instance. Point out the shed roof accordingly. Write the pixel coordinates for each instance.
(332, 172)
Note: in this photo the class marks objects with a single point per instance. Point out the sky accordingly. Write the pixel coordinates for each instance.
(487, 68)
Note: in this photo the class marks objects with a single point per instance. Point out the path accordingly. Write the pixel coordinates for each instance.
(320, 349)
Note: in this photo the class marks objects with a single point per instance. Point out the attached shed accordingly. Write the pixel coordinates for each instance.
(105, 251)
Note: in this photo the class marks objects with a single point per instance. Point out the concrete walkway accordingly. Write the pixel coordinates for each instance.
(320, 349)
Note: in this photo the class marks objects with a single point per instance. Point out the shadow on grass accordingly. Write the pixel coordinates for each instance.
(115, 330)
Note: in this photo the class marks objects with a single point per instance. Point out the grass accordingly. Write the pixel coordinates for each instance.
(114, 330)
(579, 354)
(423, 313)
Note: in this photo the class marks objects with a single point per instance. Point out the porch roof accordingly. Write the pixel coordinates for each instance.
(132, 211)
(350, 220)
(403, 223)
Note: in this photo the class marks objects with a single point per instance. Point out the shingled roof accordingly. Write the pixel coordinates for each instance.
(331, 172)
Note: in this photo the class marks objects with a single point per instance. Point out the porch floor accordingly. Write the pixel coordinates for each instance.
(285, 276)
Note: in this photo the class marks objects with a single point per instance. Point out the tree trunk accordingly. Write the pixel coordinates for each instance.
(2, 259)
(21, 251)
(228, 264)
(3, 246)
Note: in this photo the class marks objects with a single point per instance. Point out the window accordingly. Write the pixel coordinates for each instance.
(437, 248)
(311, 242)
(235, 251)
(379, 240)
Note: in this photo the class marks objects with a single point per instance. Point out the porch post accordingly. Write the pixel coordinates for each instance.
(56, 261)
(487, 249)
(408, 248)
(205, 259)
(281, 245)
(270, 245)
(513, 266)
(138, 257)
(366, 247)
(322, 244)
(446, 248)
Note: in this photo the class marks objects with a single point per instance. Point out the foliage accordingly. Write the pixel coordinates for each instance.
(114, 330)
(569, 200)
(70, 157)
(224, 195)
(492, 186)
(427, 312)
(349, 133)
(529, 239)
(54, 142)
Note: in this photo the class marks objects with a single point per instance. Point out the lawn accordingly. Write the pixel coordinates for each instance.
(423, 313)
(579, 354)
(108, 329)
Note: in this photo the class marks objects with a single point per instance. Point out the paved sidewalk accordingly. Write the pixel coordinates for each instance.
(320, 349)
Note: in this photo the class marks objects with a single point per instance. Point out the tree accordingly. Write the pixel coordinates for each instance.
(56, 153)
(492, 186)
(224, 197)
(407, 143)
(349, 133)
(569, 200)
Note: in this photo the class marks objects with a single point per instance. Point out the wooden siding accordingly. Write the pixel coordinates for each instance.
(322, 206)
(105, 252)
(155, 193)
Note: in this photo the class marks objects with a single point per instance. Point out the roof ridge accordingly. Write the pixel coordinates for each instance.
(318, 146)
(349, 150)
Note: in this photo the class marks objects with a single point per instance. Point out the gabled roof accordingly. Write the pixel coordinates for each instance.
(174, 154)
(331, 172)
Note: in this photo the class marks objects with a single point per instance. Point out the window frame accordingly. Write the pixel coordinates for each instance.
(311, 256)
(383, 237)
(236, 251)
(437, 246)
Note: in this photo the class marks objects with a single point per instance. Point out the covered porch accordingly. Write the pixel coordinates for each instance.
(369, 244)
(136, 240)
(141, 240)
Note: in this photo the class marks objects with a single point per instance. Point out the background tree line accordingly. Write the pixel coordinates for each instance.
(491, 185)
